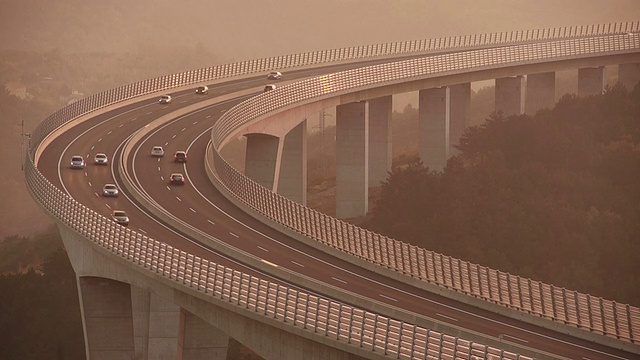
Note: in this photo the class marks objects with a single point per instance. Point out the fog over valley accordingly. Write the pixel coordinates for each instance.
(53, 52)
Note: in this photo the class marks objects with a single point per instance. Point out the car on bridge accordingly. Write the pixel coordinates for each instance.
(120, 217)
(180, 156)
(165, 99)
(176, 179)
(110, 190)
(204, 89)
(101, 159)
(157, 151)
(274, 75)
(77, 162)
(269, 87)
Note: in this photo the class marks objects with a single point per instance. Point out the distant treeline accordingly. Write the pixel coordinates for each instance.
(553, 197)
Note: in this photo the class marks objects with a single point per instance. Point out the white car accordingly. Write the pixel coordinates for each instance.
(202, 90)
(77, 162)
(274, 75)
(120, 217)
(165, 99)
(110, 190)
(101, 159)
(157, 151)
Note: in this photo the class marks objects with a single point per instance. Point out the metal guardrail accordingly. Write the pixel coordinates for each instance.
(583, 311)
(320, 315)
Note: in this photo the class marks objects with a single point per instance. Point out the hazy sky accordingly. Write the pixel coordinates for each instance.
(246, 29)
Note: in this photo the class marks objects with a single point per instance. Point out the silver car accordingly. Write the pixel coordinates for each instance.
(77, 162)
(110, 190)
(101, 159)
(165, 99)
(120, 217)
(274, 75)
(157, 151)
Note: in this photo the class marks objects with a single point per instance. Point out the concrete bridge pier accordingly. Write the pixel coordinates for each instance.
(510, 95)
(107, 318)
(279, 164)
(292, 177)
(261, 159)
(460, 102)
(591, 81)
(433, 128)
(352, 160)
(541, 92)
(629, 75)
(380, 154)
(122, 321)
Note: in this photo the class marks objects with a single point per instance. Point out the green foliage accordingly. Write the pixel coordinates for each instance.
(553, 197)
(40, 313)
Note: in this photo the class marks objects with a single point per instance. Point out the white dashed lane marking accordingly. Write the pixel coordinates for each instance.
(192, 210)
(388, 298)
(263, 249)
(447, 317)
(211, 222)
(338, 280)
(234, 235)
(297, 263)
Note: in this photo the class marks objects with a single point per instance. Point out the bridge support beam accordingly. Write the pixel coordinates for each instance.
(380, 155)
(629, 75)
(292, 182)
(510, 95)
(433, 128)
(352, 160)
(203, 341)
(591, 81)
(459, 104)
(541, 92)
(261, 159)
(107, 318)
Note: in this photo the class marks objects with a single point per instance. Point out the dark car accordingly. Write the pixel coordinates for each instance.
(180, 156)
(176, 179)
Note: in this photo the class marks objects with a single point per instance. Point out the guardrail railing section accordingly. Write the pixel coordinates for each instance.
(569, 307)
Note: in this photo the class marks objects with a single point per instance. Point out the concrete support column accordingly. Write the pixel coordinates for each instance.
(166, 329)
(459, 104)
(591, 81)
(203, 341)
(433, 118)
(352, 158)
(629, 75)
(107, 318)
(541, 92)
(510, 95)
(292, 182)
(261, 159)
(140, 302)
(380, 156)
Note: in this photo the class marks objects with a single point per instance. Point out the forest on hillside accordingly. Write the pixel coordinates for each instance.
(553, 197)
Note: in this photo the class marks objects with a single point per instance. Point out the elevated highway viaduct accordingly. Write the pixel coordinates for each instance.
(199, 263)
